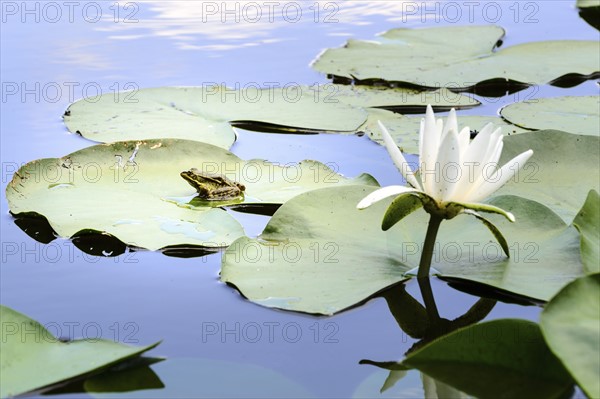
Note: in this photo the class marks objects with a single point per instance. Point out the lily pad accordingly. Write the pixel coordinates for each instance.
(405, 129)
(319, 254)
(579, 115)
(133, 191)
(561, 172)
(208, 113)
(588, 224)
(571, 325)
(457, 57)
(398, 99)
(32, 358)
(497, 359)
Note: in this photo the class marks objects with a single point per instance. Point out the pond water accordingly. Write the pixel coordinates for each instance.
(217, 343)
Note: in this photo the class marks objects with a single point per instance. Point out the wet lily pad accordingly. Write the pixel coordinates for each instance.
(405, 129)
(579, 115)
(571, 325)
(561, 172)
(133, 191)
(207, 114)
(319, 254)
(457, 57)
(497, 359)
(32, 358)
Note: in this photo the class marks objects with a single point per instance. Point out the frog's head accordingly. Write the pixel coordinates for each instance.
(196, 178)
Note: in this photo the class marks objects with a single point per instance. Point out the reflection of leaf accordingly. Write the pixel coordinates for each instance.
(211, 378)
(589, 10)
(588, 224)
(405, 129)
(561, 172)
(500, 358)
(207, 114)
(133, 375)
(319, 254)
(579, 115)
(133, 191)
(33, 359)
(457, 56)
(571, 325)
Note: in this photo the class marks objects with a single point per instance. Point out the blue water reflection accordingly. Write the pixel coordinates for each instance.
(46, 65)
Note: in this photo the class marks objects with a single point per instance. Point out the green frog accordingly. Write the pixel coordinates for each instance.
(213, 187)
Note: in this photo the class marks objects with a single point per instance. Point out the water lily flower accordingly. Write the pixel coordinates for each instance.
(455, 174)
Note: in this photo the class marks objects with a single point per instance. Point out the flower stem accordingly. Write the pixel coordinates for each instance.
(428, 300)
(427, 254)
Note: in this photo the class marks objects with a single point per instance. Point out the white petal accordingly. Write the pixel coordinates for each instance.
(492, 155)
(448, 164)
(451, 123)
(397, 157)
(501, 176)
(430, 140)
(474, 156)
(382, 193)
(464, 138)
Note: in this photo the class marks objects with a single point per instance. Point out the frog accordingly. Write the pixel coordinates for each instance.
(213, 187)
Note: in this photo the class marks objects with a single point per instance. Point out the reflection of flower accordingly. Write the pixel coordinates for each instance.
(453, 177)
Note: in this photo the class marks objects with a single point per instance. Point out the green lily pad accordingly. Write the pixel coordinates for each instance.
(207, 114)
(571, 325)
(497, 359)
(33, 359)
(319, 254)
(579, 115)
(561, 172)
(398, 99)
(587, 3)
(457, 57)
(405, 129)
(588, 224)
(133, 191)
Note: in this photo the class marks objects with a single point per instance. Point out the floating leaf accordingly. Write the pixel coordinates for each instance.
(398, 99)
(207, 113)
(497, 359)
(133, 191)
(579, 115)
(32, 358)
(588, 224)
(571, 325)
(457, 57)
(405, 129)
(561, 172)
(319, 254)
